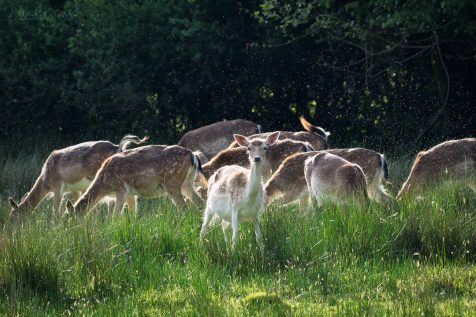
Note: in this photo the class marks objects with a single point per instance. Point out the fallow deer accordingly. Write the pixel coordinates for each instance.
(147, 171)
(235, 193)
(289, 184)
(315, 136)
(453, 160)
(69, 170)
(331, 178)
(213, 138)
(275, 155)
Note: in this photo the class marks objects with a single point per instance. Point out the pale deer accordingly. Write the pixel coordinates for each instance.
(275, 155)
(69, 170)
(148, 171)
(213, 138)
(235, 193)
(332, 178)
(315, 136)
(288, 183)
(453, 160)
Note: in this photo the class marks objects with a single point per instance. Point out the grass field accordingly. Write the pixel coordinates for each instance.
(416, 259)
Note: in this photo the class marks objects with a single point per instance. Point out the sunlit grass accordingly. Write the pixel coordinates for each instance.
(416, 258)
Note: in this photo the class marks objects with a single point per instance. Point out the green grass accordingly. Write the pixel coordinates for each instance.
(415, 259)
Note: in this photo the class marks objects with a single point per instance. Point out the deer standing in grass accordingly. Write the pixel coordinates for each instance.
(453, 160)
(288, 183)
(69, 169)
(330, 177)
(235, 193)
(147, 171)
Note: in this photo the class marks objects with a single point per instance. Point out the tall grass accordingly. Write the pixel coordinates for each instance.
(416, 258)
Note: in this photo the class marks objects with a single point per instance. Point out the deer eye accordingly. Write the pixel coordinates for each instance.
(249, 147)
(265, 148)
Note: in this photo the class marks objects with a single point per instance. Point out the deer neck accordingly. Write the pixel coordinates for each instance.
(34, 196)
(254, 183)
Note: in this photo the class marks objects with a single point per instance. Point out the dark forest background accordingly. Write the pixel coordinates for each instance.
(390, 75)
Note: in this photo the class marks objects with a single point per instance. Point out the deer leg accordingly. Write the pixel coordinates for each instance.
(224, 227)
(234, 226)
(132, 203)
(120, 199)
(259, 237)
(57, 198)
(303, 204)
(206, 222)
(178, 199)
(111, 205)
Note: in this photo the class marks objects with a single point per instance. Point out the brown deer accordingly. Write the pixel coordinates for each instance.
(331, 178)
(453, 160)
(69, 170)
(288, 183)
(315, 136)
(147, 171)
(235, 193)
(213, 138)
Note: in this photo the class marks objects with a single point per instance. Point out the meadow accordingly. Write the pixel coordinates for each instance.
(416, 258)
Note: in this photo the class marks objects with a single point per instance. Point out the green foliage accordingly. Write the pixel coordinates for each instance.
(391, 66)
(374, 72)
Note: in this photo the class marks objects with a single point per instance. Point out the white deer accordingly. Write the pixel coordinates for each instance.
(236, 194)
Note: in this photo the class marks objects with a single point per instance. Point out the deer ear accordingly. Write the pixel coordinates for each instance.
(272, 138)
(12, 203)
(241, 140)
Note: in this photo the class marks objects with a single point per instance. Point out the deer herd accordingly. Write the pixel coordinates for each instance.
(238, 170)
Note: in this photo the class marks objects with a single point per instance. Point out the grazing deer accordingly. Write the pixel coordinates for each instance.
(453, 160)
(235, 193)
(289, 184)
(147, 171)
(275, 155)
(315, 136)
(215, 137)
(69, 169)
(330, 177)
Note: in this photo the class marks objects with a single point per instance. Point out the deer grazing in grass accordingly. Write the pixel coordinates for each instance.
(288, 183)
(315, 136)
(331, 178)
(70, 169)
(235, 193)
(147, 171)
(213, 138)
(453, 160)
